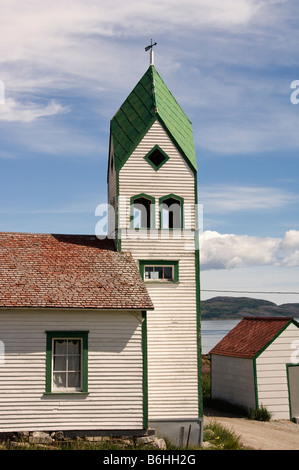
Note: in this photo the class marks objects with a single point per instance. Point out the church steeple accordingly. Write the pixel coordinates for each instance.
(152, 187)
(149, 101)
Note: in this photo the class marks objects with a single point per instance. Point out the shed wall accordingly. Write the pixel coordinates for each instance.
(232, 379)
(271, 372)
(115, 372)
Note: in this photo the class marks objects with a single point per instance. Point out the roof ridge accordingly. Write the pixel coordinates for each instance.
(248, 317)
(152, 69)
(173, 97)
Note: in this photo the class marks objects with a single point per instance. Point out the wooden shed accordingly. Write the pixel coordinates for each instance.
(256, 364)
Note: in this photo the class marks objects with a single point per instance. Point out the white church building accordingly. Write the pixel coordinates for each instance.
(104, 335)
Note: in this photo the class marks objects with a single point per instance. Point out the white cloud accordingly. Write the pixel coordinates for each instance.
(62, 43)
(89, 47)
(290, 241)
(222, 199)
(289, 249)
(13, 110)
(228, 251)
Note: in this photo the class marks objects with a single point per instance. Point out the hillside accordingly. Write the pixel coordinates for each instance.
(223, 308)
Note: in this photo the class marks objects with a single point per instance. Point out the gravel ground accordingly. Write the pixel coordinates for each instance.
(256, 435)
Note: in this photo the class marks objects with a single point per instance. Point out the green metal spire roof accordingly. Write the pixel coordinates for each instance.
(150, 100)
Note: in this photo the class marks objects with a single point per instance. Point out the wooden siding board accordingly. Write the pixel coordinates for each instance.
(233, 380)
(115, 399)
(271, 373)
(172, 341)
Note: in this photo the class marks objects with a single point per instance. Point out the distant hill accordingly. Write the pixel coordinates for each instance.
(223, 308)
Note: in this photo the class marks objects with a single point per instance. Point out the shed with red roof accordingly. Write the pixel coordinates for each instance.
(257, 364)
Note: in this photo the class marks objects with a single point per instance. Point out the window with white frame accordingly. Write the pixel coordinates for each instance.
(67, 364)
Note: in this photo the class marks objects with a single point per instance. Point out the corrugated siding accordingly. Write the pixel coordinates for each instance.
(172, 342)
(115, 378)
(232, 379)
(272, 386)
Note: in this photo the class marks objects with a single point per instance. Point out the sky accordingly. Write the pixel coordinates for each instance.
(67, 66)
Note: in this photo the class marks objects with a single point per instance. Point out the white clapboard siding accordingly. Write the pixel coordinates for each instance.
(271, 372)
(115, 372)
(233, 380)
(174, 177)
(172, 326)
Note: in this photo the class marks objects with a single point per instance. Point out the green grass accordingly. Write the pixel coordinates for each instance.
(220, 438)
(260, 414)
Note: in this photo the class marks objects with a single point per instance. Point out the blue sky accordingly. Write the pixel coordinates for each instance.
(67, 66)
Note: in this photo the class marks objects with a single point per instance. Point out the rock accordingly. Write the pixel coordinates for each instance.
(207, 444)
(40, 437)
(94, 438)
(161, 444)
(127, 442)
(23, 435)
(145, 440)
(58, 435)
(23, 445)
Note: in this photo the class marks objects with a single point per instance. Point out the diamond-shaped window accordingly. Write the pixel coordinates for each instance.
(156, 157)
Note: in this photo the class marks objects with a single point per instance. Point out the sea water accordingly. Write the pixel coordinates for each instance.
(212, 331)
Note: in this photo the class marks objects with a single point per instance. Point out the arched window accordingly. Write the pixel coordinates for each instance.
(171, 211)
(142, 211)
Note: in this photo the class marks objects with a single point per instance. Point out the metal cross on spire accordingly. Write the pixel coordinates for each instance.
(150, 47)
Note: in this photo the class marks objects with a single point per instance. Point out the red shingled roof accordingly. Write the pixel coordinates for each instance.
(250, 336)
(68, 271)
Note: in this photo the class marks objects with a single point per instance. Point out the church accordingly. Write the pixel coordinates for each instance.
(103, 335)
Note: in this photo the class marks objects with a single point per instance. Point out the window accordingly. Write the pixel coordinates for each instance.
(159, 271)
(66, 362)
(142, 211)
(171, 211)
(156, 157)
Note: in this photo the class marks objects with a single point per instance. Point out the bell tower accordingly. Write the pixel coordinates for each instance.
(152, 186)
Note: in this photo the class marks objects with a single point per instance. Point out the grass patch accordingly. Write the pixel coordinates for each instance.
(220, 438)
(260, 414)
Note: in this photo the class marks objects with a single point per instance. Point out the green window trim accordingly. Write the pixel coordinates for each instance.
(175, 264)
(181, 202)
(82, 335)
(152, 209)
(145, 370)
(149, 161)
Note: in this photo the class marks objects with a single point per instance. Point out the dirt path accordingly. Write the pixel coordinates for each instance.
(272, 435)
